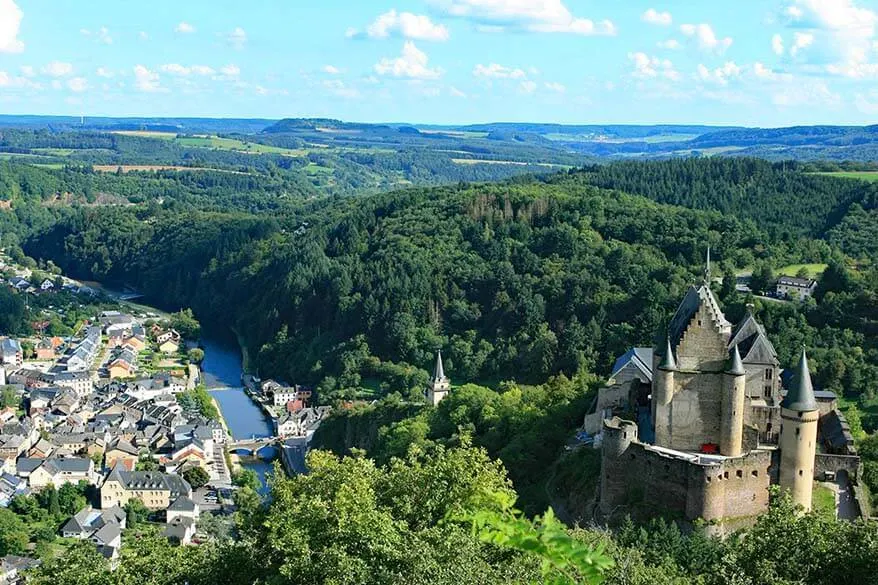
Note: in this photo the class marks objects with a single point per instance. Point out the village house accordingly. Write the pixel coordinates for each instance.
(154, 489)
(79, 382)
(11, 486)
(45, 350)
(102, 527)
(10, 352)
(55, 471)
(281, 395)
(121, 452)
(47, 285)
(797, 289)
(302, 423)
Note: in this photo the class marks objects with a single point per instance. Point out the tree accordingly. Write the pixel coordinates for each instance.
(196, 355)
(9, 397)
(762, 278)
(82, 564)
(246, 478)
(71, 499)
(13, 533)
(196, 477)
(186, 324)
(136, 513)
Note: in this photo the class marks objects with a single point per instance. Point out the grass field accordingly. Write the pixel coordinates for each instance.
(146, 134)
(823, 500)
(237, 145)
(814, 270)
(862, 175)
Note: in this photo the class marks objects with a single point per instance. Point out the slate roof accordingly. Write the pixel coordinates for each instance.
(150, 480)
(801, 392)
(182, 504)
(752, 342)
(641, 357)
(797, 282)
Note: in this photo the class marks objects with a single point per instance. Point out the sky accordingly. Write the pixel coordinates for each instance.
(742, 62)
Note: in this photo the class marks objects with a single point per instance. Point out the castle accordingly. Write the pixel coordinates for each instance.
(713, 425)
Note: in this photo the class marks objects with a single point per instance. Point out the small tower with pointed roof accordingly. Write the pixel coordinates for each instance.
(731, 439)
(798, 436)
(439, 385)
(663, 392)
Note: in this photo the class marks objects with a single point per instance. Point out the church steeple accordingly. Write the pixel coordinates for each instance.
(439, 385)
(707, 268)
(438, 371)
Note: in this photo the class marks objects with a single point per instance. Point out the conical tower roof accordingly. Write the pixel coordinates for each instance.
(736, 366)
(801, 393)
(439, 372)
(668, 361)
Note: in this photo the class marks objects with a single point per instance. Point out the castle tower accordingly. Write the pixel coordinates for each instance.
(662, 393)
(439, 385)
(732, 422)
(798, 436)
(617, 436)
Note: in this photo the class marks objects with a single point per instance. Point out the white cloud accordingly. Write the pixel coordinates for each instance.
(27, 71)
(801, 40)
(58, 69)
(77, 84)
(104, 36)
(528, 86)
(184, 28)
(547, 16)
(10, 23)
(867, 103)
(646, 67)
(806, 93)
(406, 25)
(331, 69)
(706, 38)
(777, 44)
(230, 70)
(672, 44)
(840, 34)
(653, 16)
(497, 71)
(456, 92)
(184, 71)
(720, 75)
(555, 86)
(146, 80)
(237, 38)
(412, 64)
(175, 69)
(339, 88)
(143, 36)
(104, 72)
(202, 70)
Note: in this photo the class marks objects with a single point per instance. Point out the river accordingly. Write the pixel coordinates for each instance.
(221, 370)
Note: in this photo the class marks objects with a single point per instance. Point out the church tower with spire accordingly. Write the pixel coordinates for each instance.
(798, 436)
(439, 385)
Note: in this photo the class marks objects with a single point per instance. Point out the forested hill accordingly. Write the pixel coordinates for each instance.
(515, 280)
(778, 197)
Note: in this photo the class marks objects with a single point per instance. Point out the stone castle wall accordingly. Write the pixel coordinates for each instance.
(636, 474)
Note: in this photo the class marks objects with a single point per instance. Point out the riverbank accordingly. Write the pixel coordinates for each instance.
(233, 462)
(245, 355)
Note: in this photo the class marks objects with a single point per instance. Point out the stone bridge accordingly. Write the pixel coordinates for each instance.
(250, 447)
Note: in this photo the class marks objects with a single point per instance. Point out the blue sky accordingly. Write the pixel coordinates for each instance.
(752, 62)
